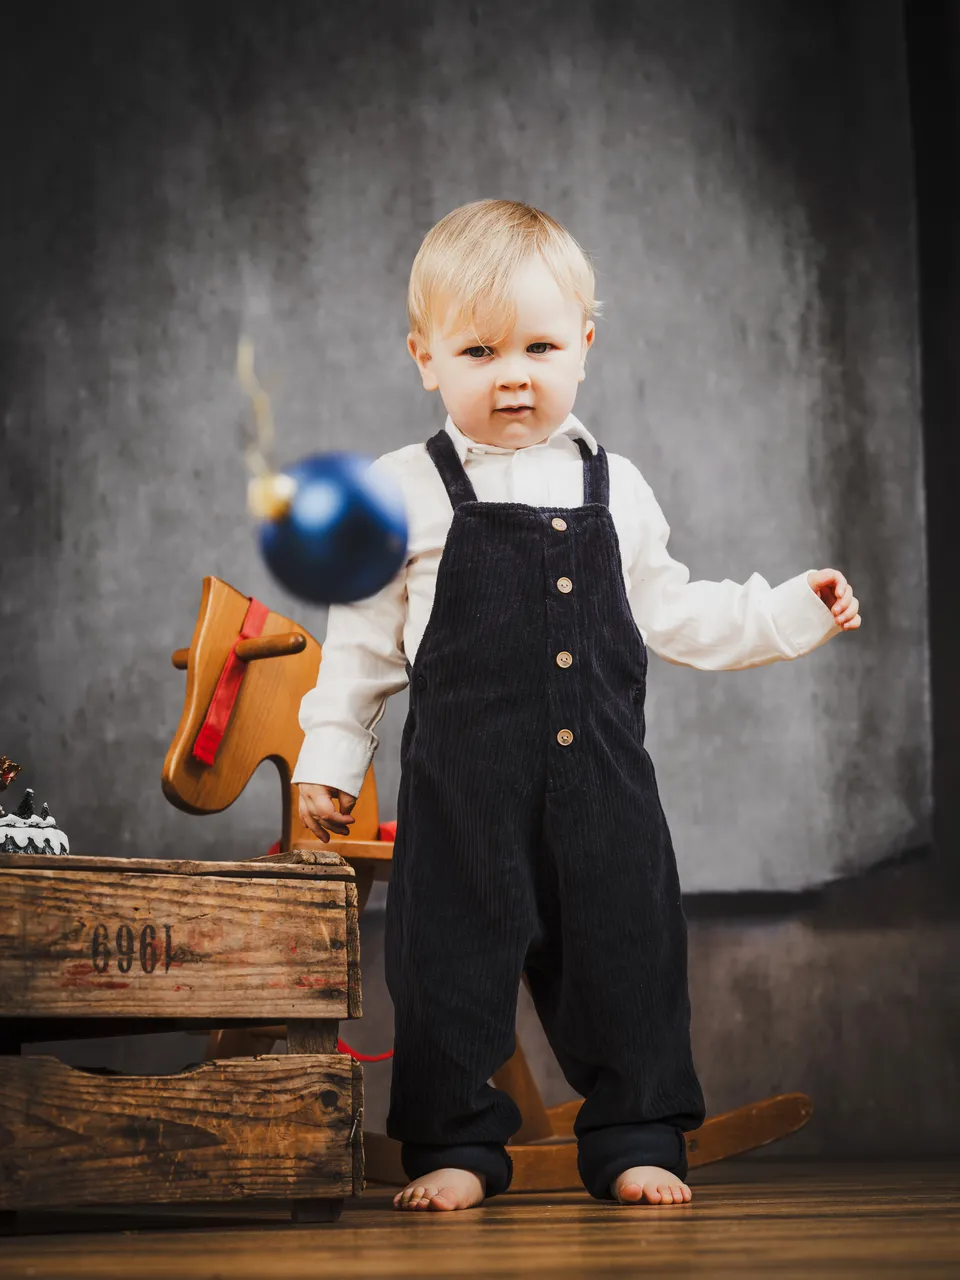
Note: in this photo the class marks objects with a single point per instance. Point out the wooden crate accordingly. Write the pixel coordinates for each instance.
(108, 945)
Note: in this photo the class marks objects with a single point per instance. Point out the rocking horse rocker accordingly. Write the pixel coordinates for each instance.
(241, 708)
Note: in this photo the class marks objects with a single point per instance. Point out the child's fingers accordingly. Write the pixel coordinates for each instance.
(335, 822)
(849, 615)
(828, 577)
(849, 612)
(339, 821)
(318, 813)
(321, 817)
(842, 602)
(316, 827)
(311, 822)
(334, 819)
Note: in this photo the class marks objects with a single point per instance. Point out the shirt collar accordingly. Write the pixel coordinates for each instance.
(571, 427)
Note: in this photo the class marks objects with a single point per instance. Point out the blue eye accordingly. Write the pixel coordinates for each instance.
(535, 348)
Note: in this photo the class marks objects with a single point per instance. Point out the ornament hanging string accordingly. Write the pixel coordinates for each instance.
(269, 492)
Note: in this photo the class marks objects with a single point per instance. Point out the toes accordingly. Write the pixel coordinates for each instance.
(631, 1192)
(678, 1193)
(634, 1192)
(441, 1194)
(411, 1197)
(646, 1191)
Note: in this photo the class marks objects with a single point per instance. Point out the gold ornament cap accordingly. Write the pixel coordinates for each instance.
(270, 497)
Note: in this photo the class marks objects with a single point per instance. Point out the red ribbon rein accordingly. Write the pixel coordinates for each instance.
(228, 688)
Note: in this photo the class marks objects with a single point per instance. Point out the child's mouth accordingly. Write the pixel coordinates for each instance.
(514, 411)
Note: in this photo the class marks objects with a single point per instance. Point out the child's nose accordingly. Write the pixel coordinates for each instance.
(513, 376)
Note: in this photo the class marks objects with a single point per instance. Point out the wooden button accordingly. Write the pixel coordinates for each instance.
(564, 737)
(558, 523)
(564, 585)
(564, 659)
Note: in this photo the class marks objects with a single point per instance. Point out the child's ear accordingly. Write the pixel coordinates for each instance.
(589, 333)
(423, 361)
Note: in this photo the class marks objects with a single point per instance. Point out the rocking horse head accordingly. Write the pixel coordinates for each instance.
(247, 671)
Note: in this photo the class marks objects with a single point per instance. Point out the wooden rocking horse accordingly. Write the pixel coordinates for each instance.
(241, 708)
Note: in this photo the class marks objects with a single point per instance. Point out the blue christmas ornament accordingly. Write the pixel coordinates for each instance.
(331, 530)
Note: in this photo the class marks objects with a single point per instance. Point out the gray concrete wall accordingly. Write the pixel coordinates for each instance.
(740, 171)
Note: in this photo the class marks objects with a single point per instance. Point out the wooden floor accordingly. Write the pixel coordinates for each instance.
(748, 1218)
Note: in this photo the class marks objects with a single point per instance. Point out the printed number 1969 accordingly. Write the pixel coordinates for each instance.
(148, 950)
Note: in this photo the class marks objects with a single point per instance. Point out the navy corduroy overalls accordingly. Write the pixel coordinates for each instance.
(530, 836)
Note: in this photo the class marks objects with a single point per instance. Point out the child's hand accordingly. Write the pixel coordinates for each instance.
(837, 594)
(318, 812)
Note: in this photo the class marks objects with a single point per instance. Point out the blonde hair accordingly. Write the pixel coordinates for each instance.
(469, 259)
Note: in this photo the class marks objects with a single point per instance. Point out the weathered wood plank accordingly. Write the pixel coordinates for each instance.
(359, 1174)
(36, 1030)
(311, 1036)
(354, 989)
(329, 866)
(165, 946)
(275, 1127)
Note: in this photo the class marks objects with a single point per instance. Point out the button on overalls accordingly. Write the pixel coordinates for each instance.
(530, 837)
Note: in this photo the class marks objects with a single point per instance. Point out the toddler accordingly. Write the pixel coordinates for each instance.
(530, 835)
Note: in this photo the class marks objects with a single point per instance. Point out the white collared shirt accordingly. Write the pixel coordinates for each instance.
(710, 625)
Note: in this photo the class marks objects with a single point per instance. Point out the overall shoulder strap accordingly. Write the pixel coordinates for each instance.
(456, 481)
(596, 474)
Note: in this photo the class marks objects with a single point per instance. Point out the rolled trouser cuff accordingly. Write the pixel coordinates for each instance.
(487, 1158)
(603, 1154)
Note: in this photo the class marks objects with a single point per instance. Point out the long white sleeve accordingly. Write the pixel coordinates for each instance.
(363, 663)
(718, 626)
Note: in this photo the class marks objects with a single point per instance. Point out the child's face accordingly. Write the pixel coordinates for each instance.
(537, 366)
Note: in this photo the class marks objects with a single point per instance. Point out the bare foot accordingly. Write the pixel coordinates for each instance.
(444, 1189)
(648, 1183)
